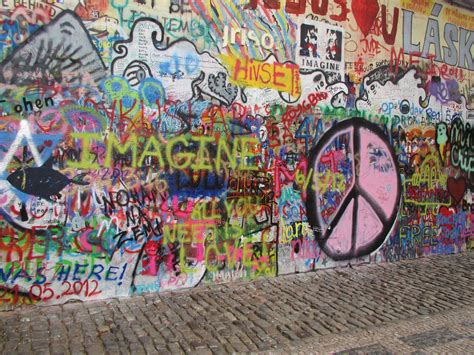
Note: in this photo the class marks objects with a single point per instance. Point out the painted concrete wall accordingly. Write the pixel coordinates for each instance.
(148, 146)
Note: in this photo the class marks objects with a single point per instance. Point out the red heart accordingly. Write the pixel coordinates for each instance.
(48, 143)
(456, 188)
(445, 211)
(365, 12)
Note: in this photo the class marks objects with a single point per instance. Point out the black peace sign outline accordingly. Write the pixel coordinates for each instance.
(356, 190)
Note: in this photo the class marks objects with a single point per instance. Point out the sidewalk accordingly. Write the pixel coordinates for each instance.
(447, 332)
(377, 308)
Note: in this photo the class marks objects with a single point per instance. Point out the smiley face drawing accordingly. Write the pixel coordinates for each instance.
(442, 139)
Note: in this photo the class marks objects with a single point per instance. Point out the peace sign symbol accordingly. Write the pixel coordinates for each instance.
(353, 201)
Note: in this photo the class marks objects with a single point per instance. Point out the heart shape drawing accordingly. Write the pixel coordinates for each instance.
(445, 211)
(456, 188)
(365, 12)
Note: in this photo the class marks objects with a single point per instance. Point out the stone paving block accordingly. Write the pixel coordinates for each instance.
(95, 349)
(378, 349)
(220, 350)
(174, 348)
(469, 324)
(431, 338)
(150, 349)
(136, 348)
(162, 349)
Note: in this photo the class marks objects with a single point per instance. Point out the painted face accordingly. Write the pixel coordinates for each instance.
(441, 133)
(151, 248)
(319, 82)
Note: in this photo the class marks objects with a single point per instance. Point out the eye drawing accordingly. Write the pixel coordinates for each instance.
(136, 72)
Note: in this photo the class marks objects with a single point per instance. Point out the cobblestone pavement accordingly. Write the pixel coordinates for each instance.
(447, 332)
(415, 306)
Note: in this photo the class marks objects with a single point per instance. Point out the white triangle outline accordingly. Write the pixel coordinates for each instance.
(24, 133)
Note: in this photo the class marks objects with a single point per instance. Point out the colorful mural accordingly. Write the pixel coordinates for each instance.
(150, 146)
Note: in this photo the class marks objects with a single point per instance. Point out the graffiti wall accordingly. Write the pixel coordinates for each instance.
(148, 146)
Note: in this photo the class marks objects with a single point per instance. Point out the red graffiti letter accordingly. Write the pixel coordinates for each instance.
(389, 37)
(272, 4)
(344, 11)
(297, 7)
(251, 5)
(269, 4)
(319, 10)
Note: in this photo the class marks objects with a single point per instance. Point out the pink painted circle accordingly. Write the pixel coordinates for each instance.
(354, 196)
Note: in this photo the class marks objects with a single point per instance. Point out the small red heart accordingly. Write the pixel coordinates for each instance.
(445, 211)
(456, 188)
(365, 12)
(48, 143)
